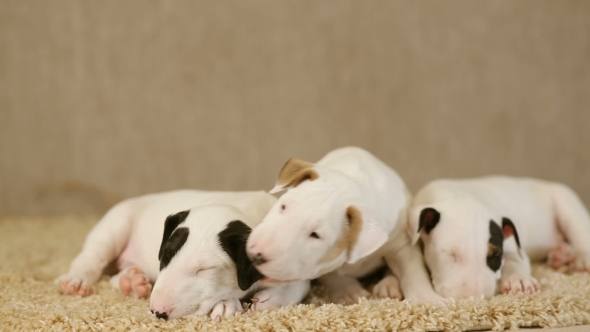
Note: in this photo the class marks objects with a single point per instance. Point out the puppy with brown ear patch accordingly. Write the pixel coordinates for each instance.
(340, 219)
(478, 234)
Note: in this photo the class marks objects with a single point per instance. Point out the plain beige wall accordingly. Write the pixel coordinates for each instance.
(106, 100)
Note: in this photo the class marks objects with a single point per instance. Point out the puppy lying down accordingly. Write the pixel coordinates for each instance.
(196, 257)
(346, 215)
(477, 232)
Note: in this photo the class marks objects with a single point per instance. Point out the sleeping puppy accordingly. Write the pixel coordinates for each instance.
(478, 231)
(196, 257)
(340, 219)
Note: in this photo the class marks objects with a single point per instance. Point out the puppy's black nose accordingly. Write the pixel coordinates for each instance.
(162, 315)
(258, 259)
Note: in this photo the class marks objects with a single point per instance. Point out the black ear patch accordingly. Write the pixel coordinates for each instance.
(429, 218)
(508, 229)
(173, 245)
(495, 251)
(168, 250)
(233, 241)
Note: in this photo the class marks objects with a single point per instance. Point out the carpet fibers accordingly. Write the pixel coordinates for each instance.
(34, 251)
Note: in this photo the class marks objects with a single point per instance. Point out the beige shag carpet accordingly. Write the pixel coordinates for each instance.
(34, 252)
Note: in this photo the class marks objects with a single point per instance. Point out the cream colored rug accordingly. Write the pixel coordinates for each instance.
(35, 251)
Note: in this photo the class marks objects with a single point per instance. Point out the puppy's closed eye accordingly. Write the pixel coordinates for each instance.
(454, 256)
(201, 269)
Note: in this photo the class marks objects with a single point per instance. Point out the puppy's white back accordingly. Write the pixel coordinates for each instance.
(384, 184)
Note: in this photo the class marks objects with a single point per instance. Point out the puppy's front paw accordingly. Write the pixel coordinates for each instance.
(388, 287)
(225, 308)
(516, 284)
(267, 298)
(74, 285)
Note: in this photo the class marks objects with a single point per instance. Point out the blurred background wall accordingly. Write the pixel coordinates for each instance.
(103, 100)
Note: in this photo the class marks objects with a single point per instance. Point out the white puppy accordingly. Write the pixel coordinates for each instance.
(478, 231)
(197, 256)
(341, 218)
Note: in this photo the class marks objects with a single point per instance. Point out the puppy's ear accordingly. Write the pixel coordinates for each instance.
(421, 219)
(170, 225)
(495, 247)
(293, 173)
(233, 241)
(364, 236)
(508, 229)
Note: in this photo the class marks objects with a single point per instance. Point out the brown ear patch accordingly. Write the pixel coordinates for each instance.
(349, 236)
(296, 171)
(492, 249)
(355, 223)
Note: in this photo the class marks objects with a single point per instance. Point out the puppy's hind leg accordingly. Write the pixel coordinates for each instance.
(105, 242)
(562, 255)
(574, 221)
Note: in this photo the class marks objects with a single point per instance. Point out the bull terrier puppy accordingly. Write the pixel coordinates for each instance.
(340, 219)
(476, 232)
(196, 257)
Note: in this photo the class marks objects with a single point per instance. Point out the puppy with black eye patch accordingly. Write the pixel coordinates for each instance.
(479, 235)
(196, 257)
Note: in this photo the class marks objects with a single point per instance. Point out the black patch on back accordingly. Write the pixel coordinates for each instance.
(507, 223)
(494, 257)
(233, 241)
(429, 218)
(168, 251)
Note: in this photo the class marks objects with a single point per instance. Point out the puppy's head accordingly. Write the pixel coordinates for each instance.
(463, 246)
(319, 224)
(202, 261)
